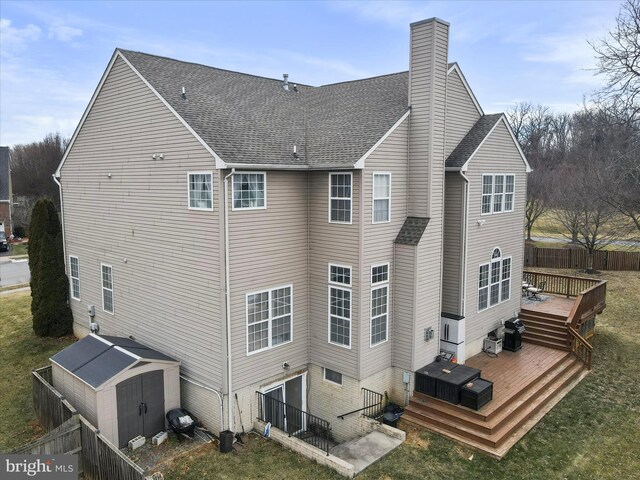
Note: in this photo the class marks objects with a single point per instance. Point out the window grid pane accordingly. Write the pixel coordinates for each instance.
(498, 193)
(107, 289)
(380, 274)
(381, 197)
(340, 314)
(340, 198)
(483, 287)
(487, 191)
(379, 302)
(268, 318)
(74, 270)
(200, 191)
(340, 274)
(248, 190)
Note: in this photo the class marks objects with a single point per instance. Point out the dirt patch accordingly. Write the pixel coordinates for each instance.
(154, 457)
(414, 438)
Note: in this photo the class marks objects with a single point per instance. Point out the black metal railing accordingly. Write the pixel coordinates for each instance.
(297, 423)
(372, 402)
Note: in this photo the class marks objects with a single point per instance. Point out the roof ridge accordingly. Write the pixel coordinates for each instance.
(125, 51)
(363, 79)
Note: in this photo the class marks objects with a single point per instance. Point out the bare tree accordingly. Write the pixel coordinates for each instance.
(33, 164)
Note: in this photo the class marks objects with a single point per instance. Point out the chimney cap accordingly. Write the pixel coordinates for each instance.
(429, 20)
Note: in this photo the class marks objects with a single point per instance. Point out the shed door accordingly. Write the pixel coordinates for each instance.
(140, 402)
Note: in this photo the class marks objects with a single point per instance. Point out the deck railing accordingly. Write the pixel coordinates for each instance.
(562, 284)
(297, 423)
(580, 347)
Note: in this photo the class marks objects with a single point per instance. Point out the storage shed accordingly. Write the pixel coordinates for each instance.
(121, 386)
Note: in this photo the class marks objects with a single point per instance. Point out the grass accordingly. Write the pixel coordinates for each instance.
(20, 352)
(618, 248)
(21, 249)
(549, 226)
(593, 433)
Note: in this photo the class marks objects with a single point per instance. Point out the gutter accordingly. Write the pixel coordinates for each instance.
(64, 242)
(465, 242)
(228, 295)
(193, 382)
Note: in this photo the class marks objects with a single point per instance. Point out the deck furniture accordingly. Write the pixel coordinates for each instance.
(534, 292)
(476, 394)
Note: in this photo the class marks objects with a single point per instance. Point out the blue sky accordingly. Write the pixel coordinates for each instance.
(54, 53)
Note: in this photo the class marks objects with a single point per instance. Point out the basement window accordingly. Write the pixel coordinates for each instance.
(333, 376)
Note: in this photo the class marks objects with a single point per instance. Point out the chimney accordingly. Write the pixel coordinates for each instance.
(285, 84)
(427, 95)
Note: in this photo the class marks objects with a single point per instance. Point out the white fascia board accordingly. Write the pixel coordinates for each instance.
(457, 68)
(86, 112)
(103, 340)
(220, 164)
(503, 120)
(360, 163)
(265, 166)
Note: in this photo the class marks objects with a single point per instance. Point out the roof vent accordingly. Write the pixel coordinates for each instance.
(295, 87)
(285, 84)
(184, 93)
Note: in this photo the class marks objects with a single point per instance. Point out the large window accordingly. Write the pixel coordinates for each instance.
(494, 281)
(381, 197)
(200, 191)
(249, 191)
(107, 288)
(340, 316)
(340, 197)
(379, 303)
(269, 318)
(497, 193)
(74, 277)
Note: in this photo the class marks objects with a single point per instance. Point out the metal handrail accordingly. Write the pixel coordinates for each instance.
(295, 422)
(372, 404)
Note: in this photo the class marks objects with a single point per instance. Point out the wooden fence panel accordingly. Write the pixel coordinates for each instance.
(51, 409)
(62, 440)
(573, 258)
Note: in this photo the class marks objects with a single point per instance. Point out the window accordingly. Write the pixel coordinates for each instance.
(340, 316)
(494, 281)
(497, 193)
(340, 274)
(200, 191)
(340, 197)
(381, 197)
(379, 303)
(332, 376)
(74, 277)
(107, 288)
(249, 191)
(269, 319)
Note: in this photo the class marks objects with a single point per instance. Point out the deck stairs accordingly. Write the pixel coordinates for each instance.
(496, 429)
(546, 329)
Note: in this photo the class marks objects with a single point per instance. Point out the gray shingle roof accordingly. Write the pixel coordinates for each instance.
(412, 230)
(247, 119)
(472, 140)
(4, 173)
(96, 360)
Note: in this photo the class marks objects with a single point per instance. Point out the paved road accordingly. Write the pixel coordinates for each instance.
(621, 243)
(13, 272)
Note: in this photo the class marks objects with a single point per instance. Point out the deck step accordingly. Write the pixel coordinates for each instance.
(497, 431)
(552, 337)
(551, 326)
(538, 314)
(544, 343)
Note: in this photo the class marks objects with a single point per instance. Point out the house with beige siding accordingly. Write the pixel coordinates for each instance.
(292, 243)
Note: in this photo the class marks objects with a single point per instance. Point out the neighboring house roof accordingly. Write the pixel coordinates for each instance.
(5, 193)
(251, 120)
(96, 359)
(472, 140)
(412, 230)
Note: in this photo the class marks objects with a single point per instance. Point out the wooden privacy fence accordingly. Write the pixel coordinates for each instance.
(576, 258)
(69, 433)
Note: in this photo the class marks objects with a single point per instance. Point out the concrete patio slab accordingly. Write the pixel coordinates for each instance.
(366, 450)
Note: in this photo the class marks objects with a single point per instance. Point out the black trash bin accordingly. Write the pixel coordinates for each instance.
(226, 441)
(392, 414)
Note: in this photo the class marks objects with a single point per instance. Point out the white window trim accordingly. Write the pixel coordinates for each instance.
(350, 320)
(375, 265)
(341, 198)
(270, 320)
(493, 192)
(373, 197)
(78, 277)
(492, 260)
(233, 190)
(341, 266)
(324, 377)
(189, 191)
(102, 289)
(371, 318)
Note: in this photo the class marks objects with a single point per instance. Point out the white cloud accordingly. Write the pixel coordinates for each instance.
(13, 38)
(63, 33)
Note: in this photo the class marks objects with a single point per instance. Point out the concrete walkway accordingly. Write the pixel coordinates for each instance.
(366, 450)
(15, 290)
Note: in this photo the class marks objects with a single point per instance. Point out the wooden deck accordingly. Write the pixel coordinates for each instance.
(554, 305)
(526, 385)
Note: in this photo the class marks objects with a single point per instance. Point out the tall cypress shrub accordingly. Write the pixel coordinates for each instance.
(49, 283)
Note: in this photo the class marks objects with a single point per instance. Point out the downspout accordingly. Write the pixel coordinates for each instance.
(228, 296)
(64, 243)
(465, 236)
(187, 379)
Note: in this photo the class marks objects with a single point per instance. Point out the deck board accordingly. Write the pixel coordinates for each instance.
(554, 305)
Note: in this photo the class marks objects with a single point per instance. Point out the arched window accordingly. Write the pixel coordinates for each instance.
(494, 280)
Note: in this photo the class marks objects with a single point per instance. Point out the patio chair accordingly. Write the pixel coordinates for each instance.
(534, 292)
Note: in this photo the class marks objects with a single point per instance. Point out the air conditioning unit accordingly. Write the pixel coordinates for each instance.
(492, 346)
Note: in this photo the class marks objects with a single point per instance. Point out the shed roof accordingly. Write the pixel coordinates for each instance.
(97, 359)
(4, 174)
(412, 230)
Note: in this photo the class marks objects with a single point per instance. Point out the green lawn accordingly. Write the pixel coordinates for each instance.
(593, 433)
(547, 225)
(20, 352)
(19, 249)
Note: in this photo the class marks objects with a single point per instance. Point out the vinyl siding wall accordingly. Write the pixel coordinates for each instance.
(138, 222)
(404, 300)
(378, 242)
(332, 243)
(268, 249)
(454, 216)
(462, 114)
(505, 230)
